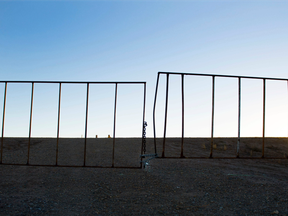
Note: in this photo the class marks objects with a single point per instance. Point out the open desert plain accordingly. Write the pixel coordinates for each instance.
(164, 187)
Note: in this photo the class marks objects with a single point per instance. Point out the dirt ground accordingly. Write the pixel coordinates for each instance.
(164, 187)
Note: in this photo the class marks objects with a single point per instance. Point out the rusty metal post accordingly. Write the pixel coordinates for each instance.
(154, 109)
(239, 115)
(182, 91)
(264, 109)
(3, 120)
(144, 107)
(58, 124)
(166, 109)
(86, 122)
(212, 118)
(114, 126)
(30, 125)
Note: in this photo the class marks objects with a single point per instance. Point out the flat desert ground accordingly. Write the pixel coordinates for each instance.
(164, 187)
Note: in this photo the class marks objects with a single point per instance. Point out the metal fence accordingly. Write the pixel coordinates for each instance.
(213, 76)
(58, 124)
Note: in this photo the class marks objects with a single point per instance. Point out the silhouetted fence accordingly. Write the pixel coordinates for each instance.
(213, 76)
(58, 123)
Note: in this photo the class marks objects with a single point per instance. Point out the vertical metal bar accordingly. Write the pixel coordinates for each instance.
(166, 109)
(114, 127)
(182, 88)
(287, 119)
(239, 115)
(154, 109)
(30, 125)
(3, 120)
(144, 107)
(58, 124)
(86, 122)
(212, 118)
(264, 109)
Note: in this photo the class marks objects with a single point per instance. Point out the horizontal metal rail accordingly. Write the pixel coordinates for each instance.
(213, 76)
(73, 166)
(58, 123)
(218, 75)
(72, 82)
(272, 158)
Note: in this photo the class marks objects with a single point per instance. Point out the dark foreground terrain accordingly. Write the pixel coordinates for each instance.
(164, 187)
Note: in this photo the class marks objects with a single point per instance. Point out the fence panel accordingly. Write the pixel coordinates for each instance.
(57, 151)
(160, 149)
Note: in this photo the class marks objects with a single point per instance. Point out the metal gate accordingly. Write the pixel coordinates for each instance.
(56, 155)
(213, 76)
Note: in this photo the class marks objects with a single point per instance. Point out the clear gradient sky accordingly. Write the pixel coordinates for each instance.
(132, 41)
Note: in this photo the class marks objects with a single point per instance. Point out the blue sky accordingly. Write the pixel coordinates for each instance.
(132, 41)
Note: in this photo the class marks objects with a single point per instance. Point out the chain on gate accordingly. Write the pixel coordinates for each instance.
(144, 137)
(152, 156)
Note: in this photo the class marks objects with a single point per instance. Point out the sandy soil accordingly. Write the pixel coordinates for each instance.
(164, 187)
(224, 147)
(127, 150)
(71, 151)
